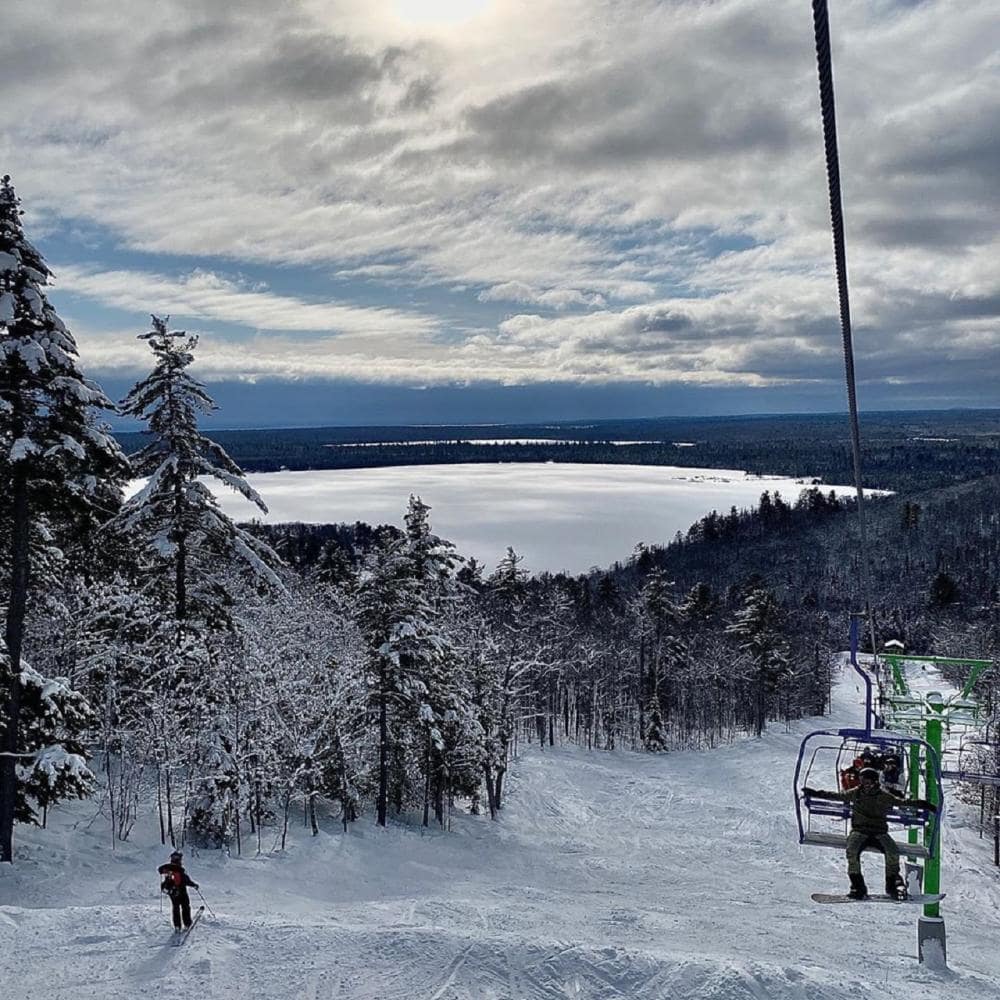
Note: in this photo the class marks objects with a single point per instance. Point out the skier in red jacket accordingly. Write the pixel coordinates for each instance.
(175, 884)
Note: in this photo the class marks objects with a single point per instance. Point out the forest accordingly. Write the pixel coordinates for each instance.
(902, 451)
(233, 678)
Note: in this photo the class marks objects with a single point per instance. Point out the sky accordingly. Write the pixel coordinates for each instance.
(398, 211)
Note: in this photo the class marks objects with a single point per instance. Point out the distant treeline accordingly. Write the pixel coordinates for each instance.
(902, 451)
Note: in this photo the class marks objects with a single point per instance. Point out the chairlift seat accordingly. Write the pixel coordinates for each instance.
(972, 777)
(902, 701)
(818, 807)
(839, 842)
(910, 816)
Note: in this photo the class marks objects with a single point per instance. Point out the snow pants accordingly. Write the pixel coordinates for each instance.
(181, 904)
(857, 842)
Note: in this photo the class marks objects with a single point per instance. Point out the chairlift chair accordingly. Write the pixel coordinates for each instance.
(822, 755)
(976, 762)
(962, 713)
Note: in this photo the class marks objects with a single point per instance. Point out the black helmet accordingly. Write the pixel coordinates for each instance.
(868, 774)
(176, 855)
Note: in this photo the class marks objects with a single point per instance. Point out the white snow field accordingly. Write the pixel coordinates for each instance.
(558, 516)
(610, 875)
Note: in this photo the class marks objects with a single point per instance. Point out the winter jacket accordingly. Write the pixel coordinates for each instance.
(175, 879)
(870, 809)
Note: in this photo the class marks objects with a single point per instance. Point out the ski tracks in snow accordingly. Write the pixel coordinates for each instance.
(609, 875)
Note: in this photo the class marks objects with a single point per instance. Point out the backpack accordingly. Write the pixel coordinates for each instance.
(173, 881)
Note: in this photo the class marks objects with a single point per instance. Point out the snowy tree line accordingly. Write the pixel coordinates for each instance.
(902, 451)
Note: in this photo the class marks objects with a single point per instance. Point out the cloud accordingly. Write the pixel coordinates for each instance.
(518, 291)
(208, 296)
(644, 180)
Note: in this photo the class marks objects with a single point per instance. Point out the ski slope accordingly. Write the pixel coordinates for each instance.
(610, 875)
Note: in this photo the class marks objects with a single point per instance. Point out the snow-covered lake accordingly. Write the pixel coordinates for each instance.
(558, 516)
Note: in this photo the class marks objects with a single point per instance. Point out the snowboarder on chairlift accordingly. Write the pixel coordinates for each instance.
(870, 807)
(175, 884)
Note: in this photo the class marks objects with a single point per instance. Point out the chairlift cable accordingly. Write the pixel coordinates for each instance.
(821, 24)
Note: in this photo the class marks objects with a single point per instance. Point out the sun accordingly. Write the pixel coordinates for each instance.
(438, 12)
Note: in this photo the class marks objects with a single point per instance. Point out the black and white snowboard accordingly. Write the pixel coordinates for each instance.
(180, 938)
(921, 898)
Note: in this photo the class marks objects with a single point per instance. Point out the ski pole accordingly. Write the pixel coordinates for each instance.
(205, 901)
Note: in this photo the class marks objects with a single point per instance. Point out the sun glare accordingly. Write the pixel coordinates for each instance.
(438, 12)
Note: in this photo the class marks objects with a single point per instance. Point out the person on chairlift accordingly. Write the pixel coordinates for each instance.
(870, 807)
(892, 775)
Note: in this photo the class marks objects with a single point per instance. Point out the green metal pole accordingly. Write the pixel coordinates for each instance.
(932, 869)
(898, 677)
(913, 834)
(978, 666)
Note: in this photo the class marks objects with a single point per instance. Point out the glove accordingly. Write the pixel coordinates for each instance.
(195, 885)
(809, 791)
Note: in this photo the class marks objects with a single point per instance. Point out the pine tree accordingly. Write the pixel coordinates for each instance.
(394, 620)
(432, 559)
(175, 514)
(186, 544)
(404, 593)
(758, 631)
(445, 712)
(55, 721)
(60, 469)
(499, 686)
(663, 649)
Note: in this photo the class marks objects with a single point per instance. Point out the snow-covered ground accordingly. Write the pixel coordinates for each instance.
(609, 875)
(558, 516)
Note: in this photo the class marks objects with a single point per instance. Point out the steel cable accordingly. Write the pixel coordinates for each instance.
(824, 64)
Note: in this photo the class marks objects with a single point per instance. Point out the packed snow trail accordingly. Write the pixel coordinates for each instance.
(610, 875)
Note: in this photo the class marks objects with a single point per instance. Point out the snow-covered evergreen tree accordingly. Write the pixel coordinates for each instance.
(175, 515)
(60, 470)
(499, 667)
(432, 559)
(445, 711)
(757, 629)
(187, 545)
(55, 721)
(663, 652)
(402, 598)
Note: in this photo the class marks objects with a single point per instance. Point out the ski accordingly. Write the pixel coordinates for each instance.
(921, 898)
(179, 939)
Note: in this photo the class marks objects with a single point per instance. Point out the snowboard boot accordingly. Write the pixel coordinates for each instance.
(858, 888)
(895, 887)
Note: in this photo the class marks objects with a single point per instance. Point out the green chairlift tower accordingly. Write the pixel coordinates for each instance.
(934, 718)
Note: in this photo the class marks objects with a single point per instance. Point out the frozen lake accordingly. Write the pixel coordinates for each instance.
(558, 516)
